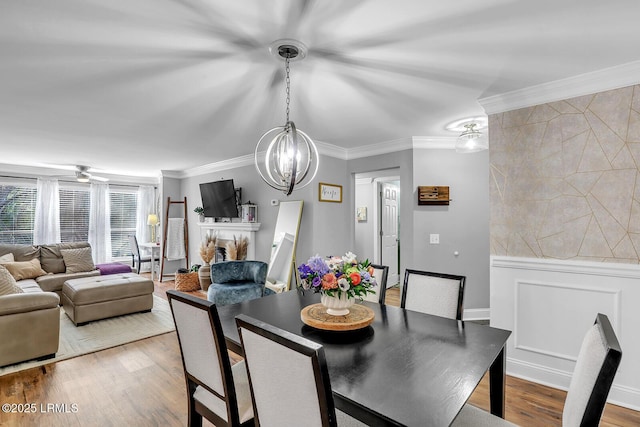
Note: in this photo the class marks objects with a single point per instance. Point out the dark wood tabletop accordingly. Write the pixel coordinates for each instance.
(406, 368)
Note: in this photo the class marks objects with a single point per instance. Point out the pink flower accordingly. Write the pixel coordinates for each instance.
(329, 281)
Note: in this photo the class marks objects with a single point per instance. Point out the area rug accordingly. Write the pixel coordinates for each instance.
(103, 334)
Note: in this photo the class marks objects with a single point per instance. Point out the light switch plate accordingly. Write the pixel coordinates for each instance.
(434, 239)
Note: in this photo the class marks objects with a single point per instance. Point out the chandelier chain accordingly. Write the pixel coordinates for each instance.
(288, 83)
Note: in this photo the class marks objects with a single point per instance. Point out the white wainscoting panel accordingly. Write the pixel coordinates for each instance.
(550, 304)
(551, 333)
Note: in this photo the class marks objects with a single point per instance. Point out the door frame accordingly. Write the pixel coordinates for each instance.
(377, 215)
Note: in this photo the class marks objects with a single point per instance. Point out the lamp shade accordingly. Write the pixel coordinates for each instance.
(152, 219)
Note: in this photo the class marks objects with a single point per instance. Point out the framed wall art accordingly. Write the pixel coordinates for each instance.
(329, 192)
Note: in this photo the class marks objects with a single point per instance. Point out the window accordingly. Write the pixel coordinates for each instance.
(74, 213)
(17, 212)
(18, 206)
(123, 206)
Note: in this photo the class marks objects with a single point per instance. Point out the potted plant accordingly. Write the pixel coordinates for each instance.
(200, 211)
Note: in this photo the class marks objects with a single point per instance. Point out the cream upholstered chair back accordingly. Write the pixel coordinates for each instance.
(279, 361)
(216, 390)
(598, 361)
(380, 272)
(433, 293)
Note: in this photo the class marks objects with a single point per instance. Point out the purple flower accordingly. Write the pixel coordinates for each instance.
(318, 265)
(304, 270)
(317, 281)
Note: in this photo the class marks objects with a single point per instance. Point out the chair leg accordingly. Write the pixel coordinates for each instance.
(139, 263)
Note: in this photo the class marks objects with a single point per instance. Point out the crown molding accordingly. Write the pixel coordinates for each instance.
(435, 142)
(385, 147)
(236, 162)
(571, 87)
(36, 171)
(330, 150)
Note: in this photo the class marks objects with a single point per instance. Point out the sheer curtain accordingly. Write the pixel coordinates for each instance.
(146, 205)
(46, 225)
(100, 223)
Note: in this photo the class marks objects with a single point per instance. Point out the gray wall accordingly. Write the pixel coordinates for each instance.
(363, 230)
(402, 163)
(463, 225)
(365, 186)
(322, 229)
(329, 228)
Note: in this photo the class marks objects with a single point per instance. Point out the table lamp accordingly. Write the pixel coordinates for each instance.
(152, 220)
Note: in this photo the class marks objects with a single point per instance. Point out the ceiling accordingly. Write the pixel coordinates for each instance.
(138, 86)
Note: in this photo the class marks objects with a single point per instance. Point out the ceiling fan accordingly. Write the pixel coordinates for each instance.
(83, 174)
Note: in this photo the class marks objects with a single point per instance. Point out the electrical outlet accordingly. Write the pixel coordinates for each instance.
(434, 239)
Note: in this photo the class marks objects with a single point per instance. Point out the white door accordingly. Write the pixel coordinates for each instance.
(389, 194)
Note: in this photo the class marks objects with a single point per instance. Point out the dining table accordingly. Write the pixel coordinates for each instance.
(404, 369)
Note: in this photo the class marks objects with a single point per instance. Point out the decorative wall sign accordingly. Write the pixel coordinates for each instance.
(329, 192)
(433, 195)
(361, 213)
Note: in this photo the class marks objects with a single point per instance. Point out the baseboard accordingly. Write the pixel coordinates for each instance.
(476, 314)
(626, 397)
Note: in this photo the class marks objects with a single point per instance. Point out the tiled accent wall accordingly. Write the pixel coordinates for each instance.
(565, 179)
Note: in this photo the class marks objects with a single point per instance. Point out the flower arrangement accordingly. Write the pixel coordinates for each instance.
(336, 275)
(199, 210)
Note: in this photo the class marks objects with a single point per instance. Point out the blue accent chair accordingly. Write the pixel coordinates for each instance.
(236, 281)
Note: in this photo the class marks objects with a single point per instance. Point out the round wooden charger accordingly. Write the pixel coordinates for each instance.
(316, 316)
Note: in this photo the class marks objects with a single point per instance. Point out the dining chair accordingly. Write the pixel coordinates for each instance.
(278, 360)
(433, 293)
(380, 272)
(216, 390)
(135, 254)
(597, 363)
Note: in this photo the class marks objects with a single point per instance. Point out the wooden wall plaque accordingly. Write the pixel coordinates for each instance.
(433, 195)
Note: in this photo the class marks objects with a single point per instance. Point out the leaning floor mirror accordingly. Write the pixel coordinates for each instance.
(283, 250)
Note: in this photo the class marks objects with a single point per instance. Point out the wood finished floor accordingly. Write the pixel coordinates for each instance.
(142, 384)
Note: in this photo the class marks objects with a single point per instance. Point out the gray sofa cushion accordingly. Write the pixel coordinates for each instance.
(54, 282)
(21, 252)
(51, 257)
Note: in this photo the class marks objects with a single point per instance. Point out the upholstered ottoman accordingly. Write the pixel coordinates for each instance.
(100, 297)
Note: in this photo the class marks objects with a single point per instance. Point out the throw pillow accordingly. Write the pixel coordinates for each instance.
(8, 285)
(78, 260)
(21, 270)
(7, 258)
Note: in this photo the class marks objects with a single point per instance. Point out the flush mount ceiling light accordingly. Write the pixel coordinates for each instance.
(291, 158)
(472, 139)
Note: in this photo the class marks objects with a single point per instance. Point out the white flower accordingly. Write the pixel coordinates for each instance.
(306, 285)
(334, 263)
(350, 258)
(343, 284)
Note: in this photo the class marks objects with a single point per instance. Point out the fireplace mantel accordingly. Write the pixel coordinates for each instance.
(226, 231)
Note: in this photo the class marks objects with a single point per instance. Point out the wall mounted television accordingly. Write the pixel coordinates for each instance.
(219, 199)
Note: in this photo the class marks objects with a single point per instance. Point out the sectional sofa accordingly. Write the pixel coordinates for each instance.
(30, 320)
